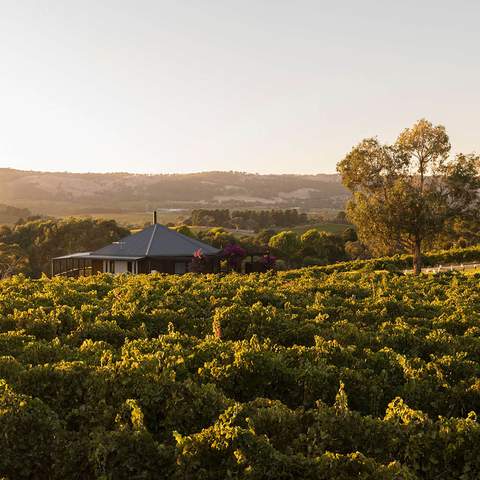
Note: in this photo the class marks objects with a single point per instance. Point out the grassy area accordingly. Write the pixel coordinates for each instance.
(323, 227)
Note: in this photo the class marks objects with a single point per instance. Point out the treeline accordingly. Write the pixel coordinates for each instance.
(295, 375)
(312, 247)
(292, 249)
(29, 247)
(333, 252)
(247, 219)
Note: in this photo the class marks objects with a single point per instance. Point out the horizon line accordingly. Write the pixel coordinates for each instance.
(117, 172)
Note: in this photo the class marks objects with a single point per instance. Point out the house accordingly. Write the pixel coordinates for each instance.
(154, 249)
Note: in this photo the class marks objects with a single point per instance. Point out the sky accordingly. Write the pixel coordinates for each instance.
(266, 86)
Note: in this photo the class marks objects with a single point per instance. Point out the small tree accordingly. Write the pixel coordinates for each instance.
(321, 245)
(286, 244)
(12, 260)
(405, 193)
(184, 230)
(217, 237)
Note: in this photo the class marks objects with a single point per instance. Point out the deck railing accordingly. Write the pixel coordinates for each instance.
(448, 268)
(71, 267)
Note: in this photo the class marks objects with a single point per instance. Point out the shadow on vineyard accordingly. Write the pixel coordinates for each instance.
(293, 375)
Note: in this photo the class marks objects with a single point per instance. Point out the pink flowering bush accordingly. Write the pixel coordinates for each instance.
(234, 254)
(199, 262)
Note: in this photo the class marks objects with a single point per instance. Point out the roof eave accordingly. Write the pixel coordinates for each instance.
(88, 256)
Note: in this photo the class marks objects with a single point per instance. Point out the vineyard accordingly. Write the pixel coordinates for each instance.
(291, 375)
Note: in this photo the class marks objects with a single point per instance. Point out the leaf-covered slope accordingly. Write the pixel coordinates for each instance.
(296, 375)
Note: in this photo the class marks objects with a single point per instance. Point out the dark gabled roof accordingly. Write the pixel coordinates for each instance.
(155, 241)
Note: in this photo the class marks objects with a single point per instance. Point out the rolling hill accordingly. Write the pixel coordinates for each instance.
(62, 193)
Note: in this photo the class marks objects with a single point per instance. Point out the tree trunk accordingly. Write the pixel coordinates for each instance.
(417, 257)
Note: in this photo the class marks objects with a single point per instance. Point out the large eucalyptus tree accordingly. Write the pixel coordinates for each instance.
(405, 193)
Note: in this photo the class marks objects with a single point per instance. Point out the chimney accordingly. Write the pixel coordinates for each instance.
(154, 217)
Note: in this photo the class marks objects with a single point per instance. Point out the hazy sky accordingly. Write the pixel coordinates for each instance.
(251, 85)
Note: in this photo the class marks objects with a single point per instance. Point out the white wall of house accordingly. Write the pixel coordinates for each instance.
(119, 266)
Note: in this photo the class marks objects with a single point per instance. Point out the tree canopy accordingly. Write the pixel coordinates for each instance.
(286, 244)
(32, 245)
(405, 194)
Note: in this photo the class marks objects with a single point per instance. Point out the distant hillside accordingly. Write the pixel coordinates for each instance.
(9, 214)
(73, 193)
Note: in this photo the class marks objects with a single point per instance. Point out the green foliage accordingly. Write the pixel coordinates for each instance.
(454, 256)
(217, 237)
(183, 229)
(406, 194)
(321, 245)
(286, 244)
(32, 245)
(29, 436)
(12, 260)
(288, 375)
